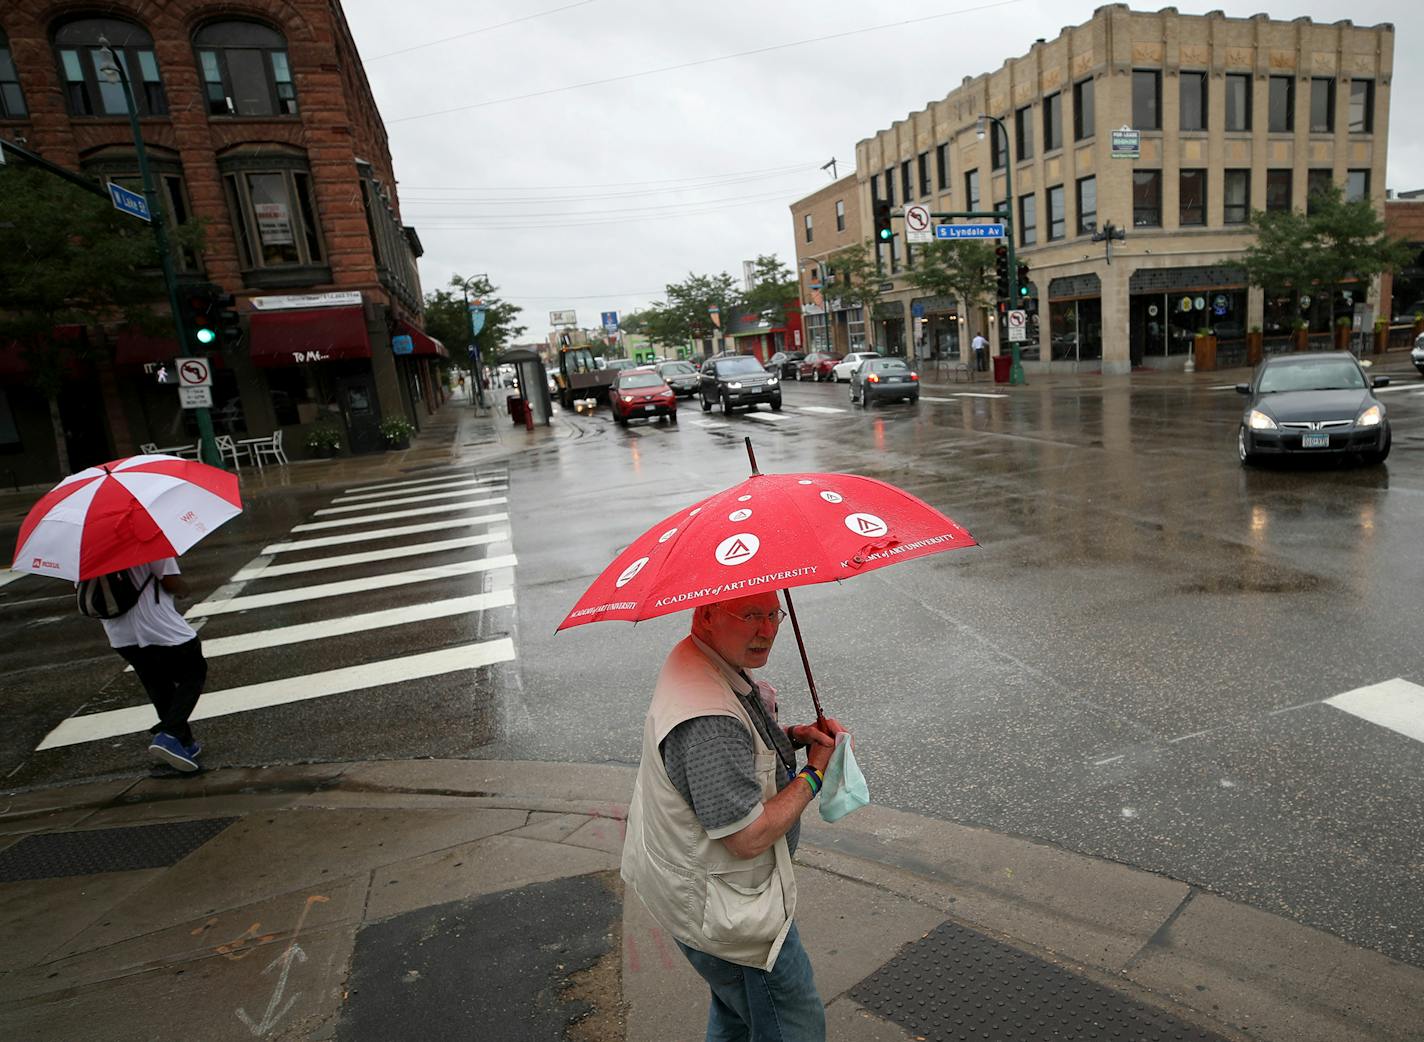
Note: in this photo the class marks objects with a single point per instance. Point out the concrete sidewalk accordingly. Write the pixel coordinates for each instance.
(480, 899)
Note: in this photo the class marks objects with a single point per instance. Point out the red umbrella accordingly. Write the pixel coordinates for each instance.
(771, 532)
(125, 513)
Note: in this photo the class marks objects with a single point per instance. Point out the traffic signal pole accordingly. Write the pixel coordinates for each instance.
(207, 444)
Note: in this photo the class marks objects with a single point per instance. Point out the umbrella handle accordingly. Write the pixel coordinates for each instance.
(801, 645)
(752, 457)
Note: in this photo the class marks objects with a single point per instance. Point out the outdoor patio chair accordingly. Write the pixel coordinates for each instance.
(228, 449)
(269, 449)
(148, 448)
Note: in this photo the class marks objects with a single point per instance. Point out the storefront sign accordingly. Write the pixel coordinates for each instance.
(562, 318)
(1126, 143)
(274, 226)
(343, 298)
(402, 345)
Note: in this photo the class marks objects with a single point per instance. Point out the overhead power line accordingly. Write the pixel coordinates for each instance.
(722, 182)
(704, 61)
(436, 224)
(477, 32)
(657, 208)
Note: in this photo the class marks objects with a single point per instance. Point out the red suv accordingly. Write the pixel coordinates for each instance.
(641, 393)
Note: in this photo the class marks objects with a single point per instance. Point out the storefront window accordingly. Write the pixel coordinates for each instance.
(1076, 329)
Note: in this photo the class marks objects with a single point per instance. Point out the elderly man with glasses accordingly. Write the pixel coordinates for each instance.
(715, 817)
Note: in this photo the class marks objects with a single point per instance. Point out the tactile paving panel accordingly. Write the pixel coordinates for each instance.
(956, 984)
(54, 854)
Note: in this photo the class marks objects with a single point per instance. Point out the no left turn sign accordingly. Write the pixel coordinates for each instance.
(194, 372)
(917, 224)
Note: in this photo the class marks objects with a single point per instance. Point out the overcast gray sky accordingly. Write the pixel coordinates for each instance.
(594, 198)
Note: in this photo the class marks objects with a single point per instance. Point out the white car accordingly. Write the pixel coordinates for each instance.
(843, 370)
(1417, 355)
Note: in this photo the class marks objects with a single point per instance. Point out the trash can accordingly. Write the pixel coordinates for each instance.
(516, 406)
(1002, 365)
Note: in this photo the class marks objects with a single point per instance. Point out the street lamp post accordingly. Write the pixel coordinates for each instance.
(1016, 373)
(112, 69)
(474, 350)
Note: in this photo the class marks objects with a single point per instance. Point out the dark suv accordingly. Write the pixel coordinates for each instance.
(738, 381)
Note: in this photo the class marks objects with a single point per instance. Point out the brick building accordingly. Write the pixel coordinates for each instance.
(826, 222)
(1232, 115)
(1403, 292)
(258, 119)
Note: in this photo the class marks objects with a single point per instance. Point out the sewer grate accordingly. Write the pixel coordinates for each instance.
(51, 855)
(956, 984)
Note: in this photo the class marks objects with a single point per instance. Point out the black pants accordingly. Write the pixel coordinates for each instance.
(173, 677)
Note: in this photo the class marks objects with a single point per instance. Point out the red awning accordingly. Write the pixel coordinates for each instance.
(425, 344)
(12, 353)
(316, 335)
(136, 348)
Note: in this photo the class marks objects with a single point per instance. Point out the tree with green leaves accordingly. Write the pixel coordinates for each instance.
(959, 268)
(67, 257)
(855, 280)
(500, 328)
(1338, 241)
(688, 314)
(773, 287)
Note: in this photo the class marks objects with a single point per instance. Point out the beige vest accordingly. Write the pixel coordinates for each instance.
(691, 884)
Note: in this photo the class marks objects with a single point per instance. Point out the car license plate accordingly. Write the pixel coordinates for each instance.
(649, 408)
(1315, 441)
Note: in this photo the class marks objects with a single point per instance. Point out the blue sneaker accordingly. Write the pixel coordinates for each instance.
(195, 750)
(166, 749)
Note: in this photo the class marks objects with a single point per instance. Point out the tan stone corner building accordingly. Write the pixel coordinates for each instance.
(1232, 115)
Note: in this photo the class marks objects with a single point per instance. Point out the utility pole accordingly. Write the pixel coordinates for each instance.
(113, 70)
(1016, 373)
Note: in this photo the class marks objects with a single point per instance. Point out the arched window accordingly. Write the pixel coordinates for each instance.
(12, 102)
(245, 70)
(88, 90)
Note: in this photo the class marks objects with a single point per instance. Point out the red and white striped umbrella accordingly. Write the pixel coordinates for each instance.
(128, 512)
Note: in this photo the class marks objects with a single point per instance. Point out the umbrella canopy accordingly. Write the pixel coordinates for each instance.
(771, 532)
(125, 513)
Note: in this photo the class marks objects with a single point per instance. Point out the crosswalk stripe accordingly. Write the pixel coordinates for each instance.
(1222, 387)
(266, 570)
(766, 417)
(463, 472)
(345, 586)
(405, 500)
(8, 576)
(817, 408)
(465, 483)
(1396, 704)
(928, 398)
(1399, 387)
(710, 425)
(116, 722)
(447, 508)
(382, 533)
(977, 394)
(373, 620)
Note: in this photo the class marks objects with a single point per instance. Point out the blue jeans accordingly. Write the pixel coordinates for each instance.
(751, 1005)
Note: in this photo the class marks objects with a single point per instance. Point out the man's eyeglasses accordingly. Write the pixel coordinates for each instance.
(756, 618)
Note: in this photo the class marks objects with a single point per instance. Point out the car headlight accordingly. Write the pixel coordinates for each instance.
(1259, 421)
(734, 387)
(1370, 417)
(771, 382)
(627, 398)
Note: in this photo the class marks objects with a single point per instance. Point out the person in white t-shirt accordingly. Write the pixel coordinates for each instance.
(167, 656)
(981, 352)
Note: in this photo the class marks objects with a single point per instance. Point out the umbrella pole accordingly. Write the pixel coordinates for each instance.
(801, 645)
(752, 456)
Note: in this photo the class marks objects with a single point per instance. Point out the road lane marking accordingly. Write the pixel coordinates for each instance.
(928, 398)
(1223, 387)
(710, 425)
(817, 408)
(382, 533)
(404, 500)
(977, 394)
(8, 576)
(447, 508)
(438, 487)
(1396, 704)
(267, 570)
(117, 722)
(766, 417)
(374, 620)
(224, 606)
(464, 472)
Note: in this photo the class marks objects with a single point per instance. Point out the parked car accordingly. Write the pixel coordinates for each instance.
(843, 370)
(817, 366)
(641, 394)
(1315, 404)
(619, 363)
(786, 364)
(884, 379)
(1417, 355)
(738, 381)
(682, 377)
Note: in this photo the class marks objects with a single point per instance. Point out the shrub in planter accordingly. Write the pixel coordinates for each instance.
(397, 431)
(323, 440)
(1204, 350)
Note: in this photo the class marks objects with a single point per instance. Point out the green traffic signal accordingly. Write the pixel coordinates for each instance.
(206, 336)
(886, 233)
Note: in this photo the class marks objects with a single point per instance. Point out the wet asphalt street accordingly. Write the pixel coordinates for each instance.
(1134, 664)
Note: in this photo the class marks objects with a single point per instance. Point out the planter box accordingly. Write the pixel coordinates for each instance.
(1204, 349)
(1342, 338)
(1381, 340)
(1255, 348)
(1302, 339)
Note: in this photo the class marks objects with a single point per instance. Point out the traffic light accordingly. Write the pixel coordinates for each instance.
(1024, 288)
(883, 231)
(1001, 270)
(222, 312)
(197, 301)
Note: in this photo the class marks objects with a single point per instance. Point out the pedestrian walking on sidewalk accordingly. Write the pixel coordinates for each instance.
(981, 352)
(167, 657)
(715, 818)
